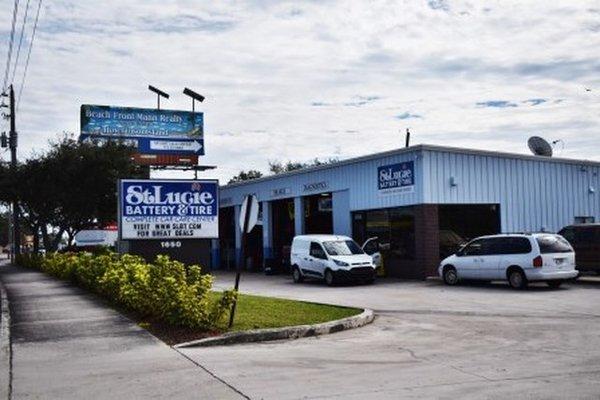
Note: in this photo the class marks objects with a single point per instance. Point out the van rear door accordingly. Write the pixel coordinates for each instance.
(556, 252)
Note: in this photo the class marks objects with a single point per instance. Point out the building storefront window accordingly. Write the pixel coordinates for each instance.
(395, 228)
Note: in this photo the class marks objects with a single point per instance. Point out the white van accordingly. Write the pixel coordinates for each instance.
(518, 258)
(330, 257)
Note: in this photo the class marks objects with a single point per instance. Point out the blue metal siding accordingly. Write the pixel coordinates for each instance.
(341, 213)
(359, 178)
(533, 194)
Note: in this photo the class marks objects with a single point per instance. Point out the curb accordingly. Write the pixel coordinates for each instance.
(5, 345)
(287, 332)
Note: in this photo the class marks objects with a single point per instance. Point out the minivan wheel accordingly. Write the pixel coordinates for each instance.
(517, 279)
(329, 278)
(296, 275)
(554, 284)
(450, 276)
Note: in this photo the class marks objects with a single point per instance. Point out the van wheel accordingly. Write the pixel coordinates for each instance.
(296, 275)
(329, 278)
(554, 284)
(517, 279)
(450, 276)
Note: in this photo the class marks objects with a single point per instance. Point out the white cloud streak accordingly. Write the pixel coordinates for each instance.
(298, 80)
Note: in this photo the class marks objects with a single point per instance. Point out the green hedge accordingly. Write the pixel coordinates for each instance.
(165, 289)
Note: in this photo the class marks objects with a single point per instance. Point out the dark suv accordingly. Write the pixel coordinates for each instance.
(585, 239)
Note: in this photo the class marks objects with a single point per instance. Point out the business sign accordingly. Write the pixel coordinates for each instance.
(396, 178)
(283, 191)
(152, 131)
(314, 186)
(168, 209)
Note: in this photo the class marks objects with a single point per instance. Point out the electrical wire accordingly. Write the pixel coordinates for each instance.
(10, 44)
(35, 23)
(20, 42)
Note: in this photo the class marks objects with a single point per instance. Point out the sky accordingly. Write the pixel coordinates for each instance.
(305, 79)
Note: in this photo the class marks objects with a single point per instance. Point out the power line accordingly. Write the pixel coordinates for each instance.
(10, 44)
(20, 42)
(35, 23)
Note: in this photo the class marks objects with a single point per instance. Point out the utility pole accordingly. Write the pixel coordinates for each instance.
(12, 144)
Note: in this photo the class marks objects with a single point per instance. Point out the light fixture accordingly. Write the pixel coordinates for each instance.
(159, 94)
(195, 96)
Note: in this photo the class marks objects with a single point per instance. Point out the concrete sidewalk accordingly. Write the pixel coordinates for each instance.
(67, 344)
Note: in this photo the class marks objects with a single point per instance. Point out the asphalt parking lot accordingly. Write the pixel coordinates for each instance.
(428, 341)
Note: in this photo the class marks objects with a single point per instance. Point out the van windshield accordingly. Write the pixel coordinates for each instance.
(342, 248)
(553, 244)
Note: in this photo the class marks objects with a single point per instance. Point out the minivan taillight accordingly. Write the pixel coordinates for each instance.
(537, 262)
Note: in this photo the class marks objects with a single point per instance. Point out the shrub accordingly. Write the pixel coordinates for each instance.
(166, 289)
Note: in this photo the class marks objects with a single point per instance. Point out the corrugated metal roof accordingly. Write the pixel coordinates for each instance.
(416, 148)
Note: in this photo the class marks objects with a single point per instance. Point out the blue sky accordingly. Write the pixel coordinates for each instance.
(298, 80)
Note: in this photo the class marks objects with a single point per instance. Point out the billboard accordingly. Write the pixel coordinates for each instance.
(396, 178)
(168, 209)
(152, 131)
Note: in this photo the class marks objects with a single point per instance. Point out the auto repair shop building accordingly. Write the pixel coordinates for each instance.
(420, 201)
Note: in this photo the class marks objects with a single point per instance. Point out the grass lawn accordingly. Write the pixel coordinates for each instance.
(252, 312)
(256, 312)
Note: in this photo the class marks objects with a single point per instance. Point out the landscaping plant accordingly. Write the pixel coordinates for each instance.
(165, 289)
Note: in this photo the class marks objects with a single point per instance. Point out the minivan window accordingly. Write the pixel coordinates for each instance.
(317, 251)
(513, 245)
(472, 249)
(342, 248)
(553, 244)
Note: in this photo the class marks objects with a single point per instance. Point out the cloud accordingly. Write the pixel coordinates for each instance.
(314, 78)
(496, 104)
(185, 24)
(535, 102)
(407, 115)
(438, 5)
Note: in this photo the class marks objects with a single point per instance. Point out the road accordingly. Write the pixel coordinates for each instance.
(428, 341)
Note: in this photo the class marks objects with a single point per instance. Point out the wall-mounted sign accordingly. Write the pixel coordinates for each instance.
(151, 131)
(168, 209)
(284, 191)
(315, 186)
(396, 178)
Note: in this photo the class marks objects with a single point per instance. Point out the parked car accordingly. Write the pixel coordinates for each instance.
(518, 258)
(332, 258)
(585, 239)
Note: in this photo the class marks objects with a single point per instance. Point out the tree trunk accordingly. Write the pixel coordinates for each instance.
(36, 240)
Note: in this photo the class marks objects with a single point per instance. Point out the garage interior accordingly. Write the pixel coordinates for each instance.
(282, 224)
(413, 239)
(318, 214)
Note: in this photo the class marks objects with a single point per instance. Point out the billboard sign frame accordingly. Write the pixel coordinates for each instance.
(168, 209)
(152, 131)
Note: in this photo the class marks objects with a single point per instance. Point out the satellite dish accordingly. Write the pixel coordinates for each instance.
(539, 146)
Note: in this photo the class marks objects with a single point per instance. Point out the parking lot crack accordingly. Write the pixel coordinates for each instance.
(213, 375)
(454, 367)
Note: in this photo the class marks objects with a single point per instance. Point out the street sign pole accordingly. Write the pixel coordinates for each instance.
(248, 210)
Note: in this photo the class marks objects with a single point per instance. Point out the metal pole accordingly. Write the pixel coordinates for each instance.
(407, 137)
(13, 168)
(242, 257)
(158, 101)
